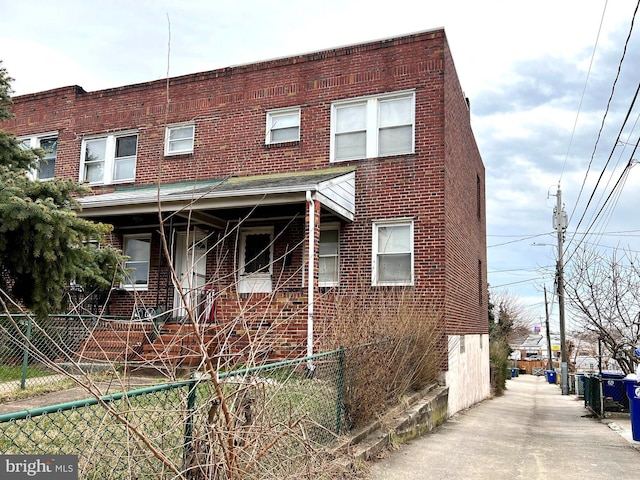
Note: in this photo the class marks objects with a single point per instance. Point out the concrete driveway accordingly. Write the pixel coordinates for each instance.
(531, 432)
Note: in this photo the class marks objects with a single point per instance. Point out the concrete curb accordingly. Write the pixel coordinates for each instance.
(418, 413)
(623, 432)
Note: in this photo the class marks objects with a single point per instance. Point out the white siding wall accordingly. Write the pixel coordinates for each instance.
(468, 377)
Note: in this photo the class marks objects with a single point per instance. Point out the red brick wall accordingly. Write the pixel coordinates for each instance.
(435, 186)
(465, 219)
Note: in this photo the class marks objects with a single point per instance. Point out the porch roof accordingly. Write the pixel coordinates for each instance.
(334, 188)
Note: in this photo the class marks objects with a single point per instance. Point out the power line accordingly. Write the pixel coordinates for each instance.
(584, 89)
(613, 89)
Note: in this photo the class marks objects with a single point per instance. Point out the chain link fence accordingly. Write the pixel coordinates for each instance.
(604, 393)
(28, 348)
(264, 422)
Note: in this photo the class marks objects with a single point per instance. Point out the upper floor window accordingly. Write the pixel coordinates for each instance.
(329, 256)
(49, 143)
(392, 252)
(373, 126)
(109, 159)
(138, 249)
(179, 139)
(283, 126)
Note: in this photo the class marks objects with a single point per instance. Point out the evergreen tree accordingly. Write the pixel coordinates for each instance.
(44, 245)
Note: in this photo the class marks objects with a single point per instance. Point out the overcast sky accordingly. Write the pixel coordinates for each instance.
(539, 76)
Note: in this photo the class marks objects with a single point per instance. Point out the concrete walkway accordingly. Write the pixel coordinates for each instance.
(531, 432)
(70, 394)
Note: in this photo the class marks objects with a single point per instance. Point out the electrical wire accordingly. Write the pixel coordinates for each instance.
(584, 90)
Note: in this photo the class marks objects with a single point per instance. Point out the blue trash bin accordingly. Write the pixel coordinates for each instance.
(613, 391)
(551, 376)
(632, 387)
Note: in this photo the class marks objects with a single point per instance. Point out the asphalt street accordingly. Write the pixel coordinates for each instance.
(531, 432)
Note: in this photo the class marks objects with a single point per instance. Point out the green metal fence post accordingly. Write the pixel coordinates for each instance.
(340, 397)
(25, 355)
(188, 427)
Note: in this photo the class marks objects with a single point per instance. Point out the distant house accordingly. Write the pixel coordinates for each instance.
(345, 167)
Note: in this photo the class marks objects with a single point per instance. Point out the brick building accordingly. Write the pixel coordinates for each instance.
(284, 180)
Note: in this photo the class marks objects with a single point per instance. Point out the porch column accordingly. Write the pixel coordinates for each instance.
(313, 241)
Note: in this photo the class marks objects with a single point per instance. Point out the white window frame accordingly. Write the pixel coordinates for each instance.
(377, 224)
(372, 126)
(255, 282)
(272, 124)
(125, 240)
(168, 142)
(34, 141)
(336, 255)
(109, 161)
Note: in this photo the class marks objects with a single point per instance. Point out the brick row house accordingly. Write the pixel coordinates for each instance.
(284, 180)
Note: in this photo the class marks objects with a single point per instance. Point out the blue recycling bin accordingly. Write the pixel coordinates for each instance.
(632, 387)
(613, 390)
(551, 376)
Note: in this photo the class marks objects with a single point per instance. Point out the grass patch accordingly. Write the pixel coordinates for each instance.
(36, 390)
(266, 408)
(10, 373)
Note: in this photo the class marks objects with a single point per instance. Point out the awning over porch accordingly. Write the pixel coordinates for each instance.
(333, 188)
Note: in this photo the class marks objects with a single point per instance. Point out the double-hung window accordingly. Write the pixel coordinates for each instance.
(49, 143)
(179, 139)
(328, 275)
(392, 252)
(138, 249)
(373, 127)
(109, 159)
(283, 126)
(256, 260)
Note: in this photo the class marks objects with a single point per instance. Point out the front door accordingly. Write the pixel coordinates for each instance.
(191, 268)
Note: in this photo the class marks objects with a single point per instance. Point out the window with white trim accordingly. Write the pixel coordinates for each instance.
(49, 143)
(392, 253)
(109, 159)
(138, 249)
(255, 260)
(328, 275)
(179, 139)
(283, 126)
(373, 127)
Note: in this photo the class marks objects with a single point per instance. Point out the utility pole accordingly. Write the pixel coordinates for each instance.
(546, 312)
(560, 224)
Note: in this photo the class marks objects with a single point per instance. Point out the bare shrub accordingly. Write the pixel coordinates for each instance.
(254, 425)
(392, 337)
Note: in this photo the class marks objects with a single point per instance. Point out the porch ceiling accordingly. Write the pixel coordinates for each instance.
(334, 188)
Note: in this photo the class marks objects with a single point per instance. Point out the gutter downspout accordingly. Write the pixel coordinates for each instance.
(310, 290)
